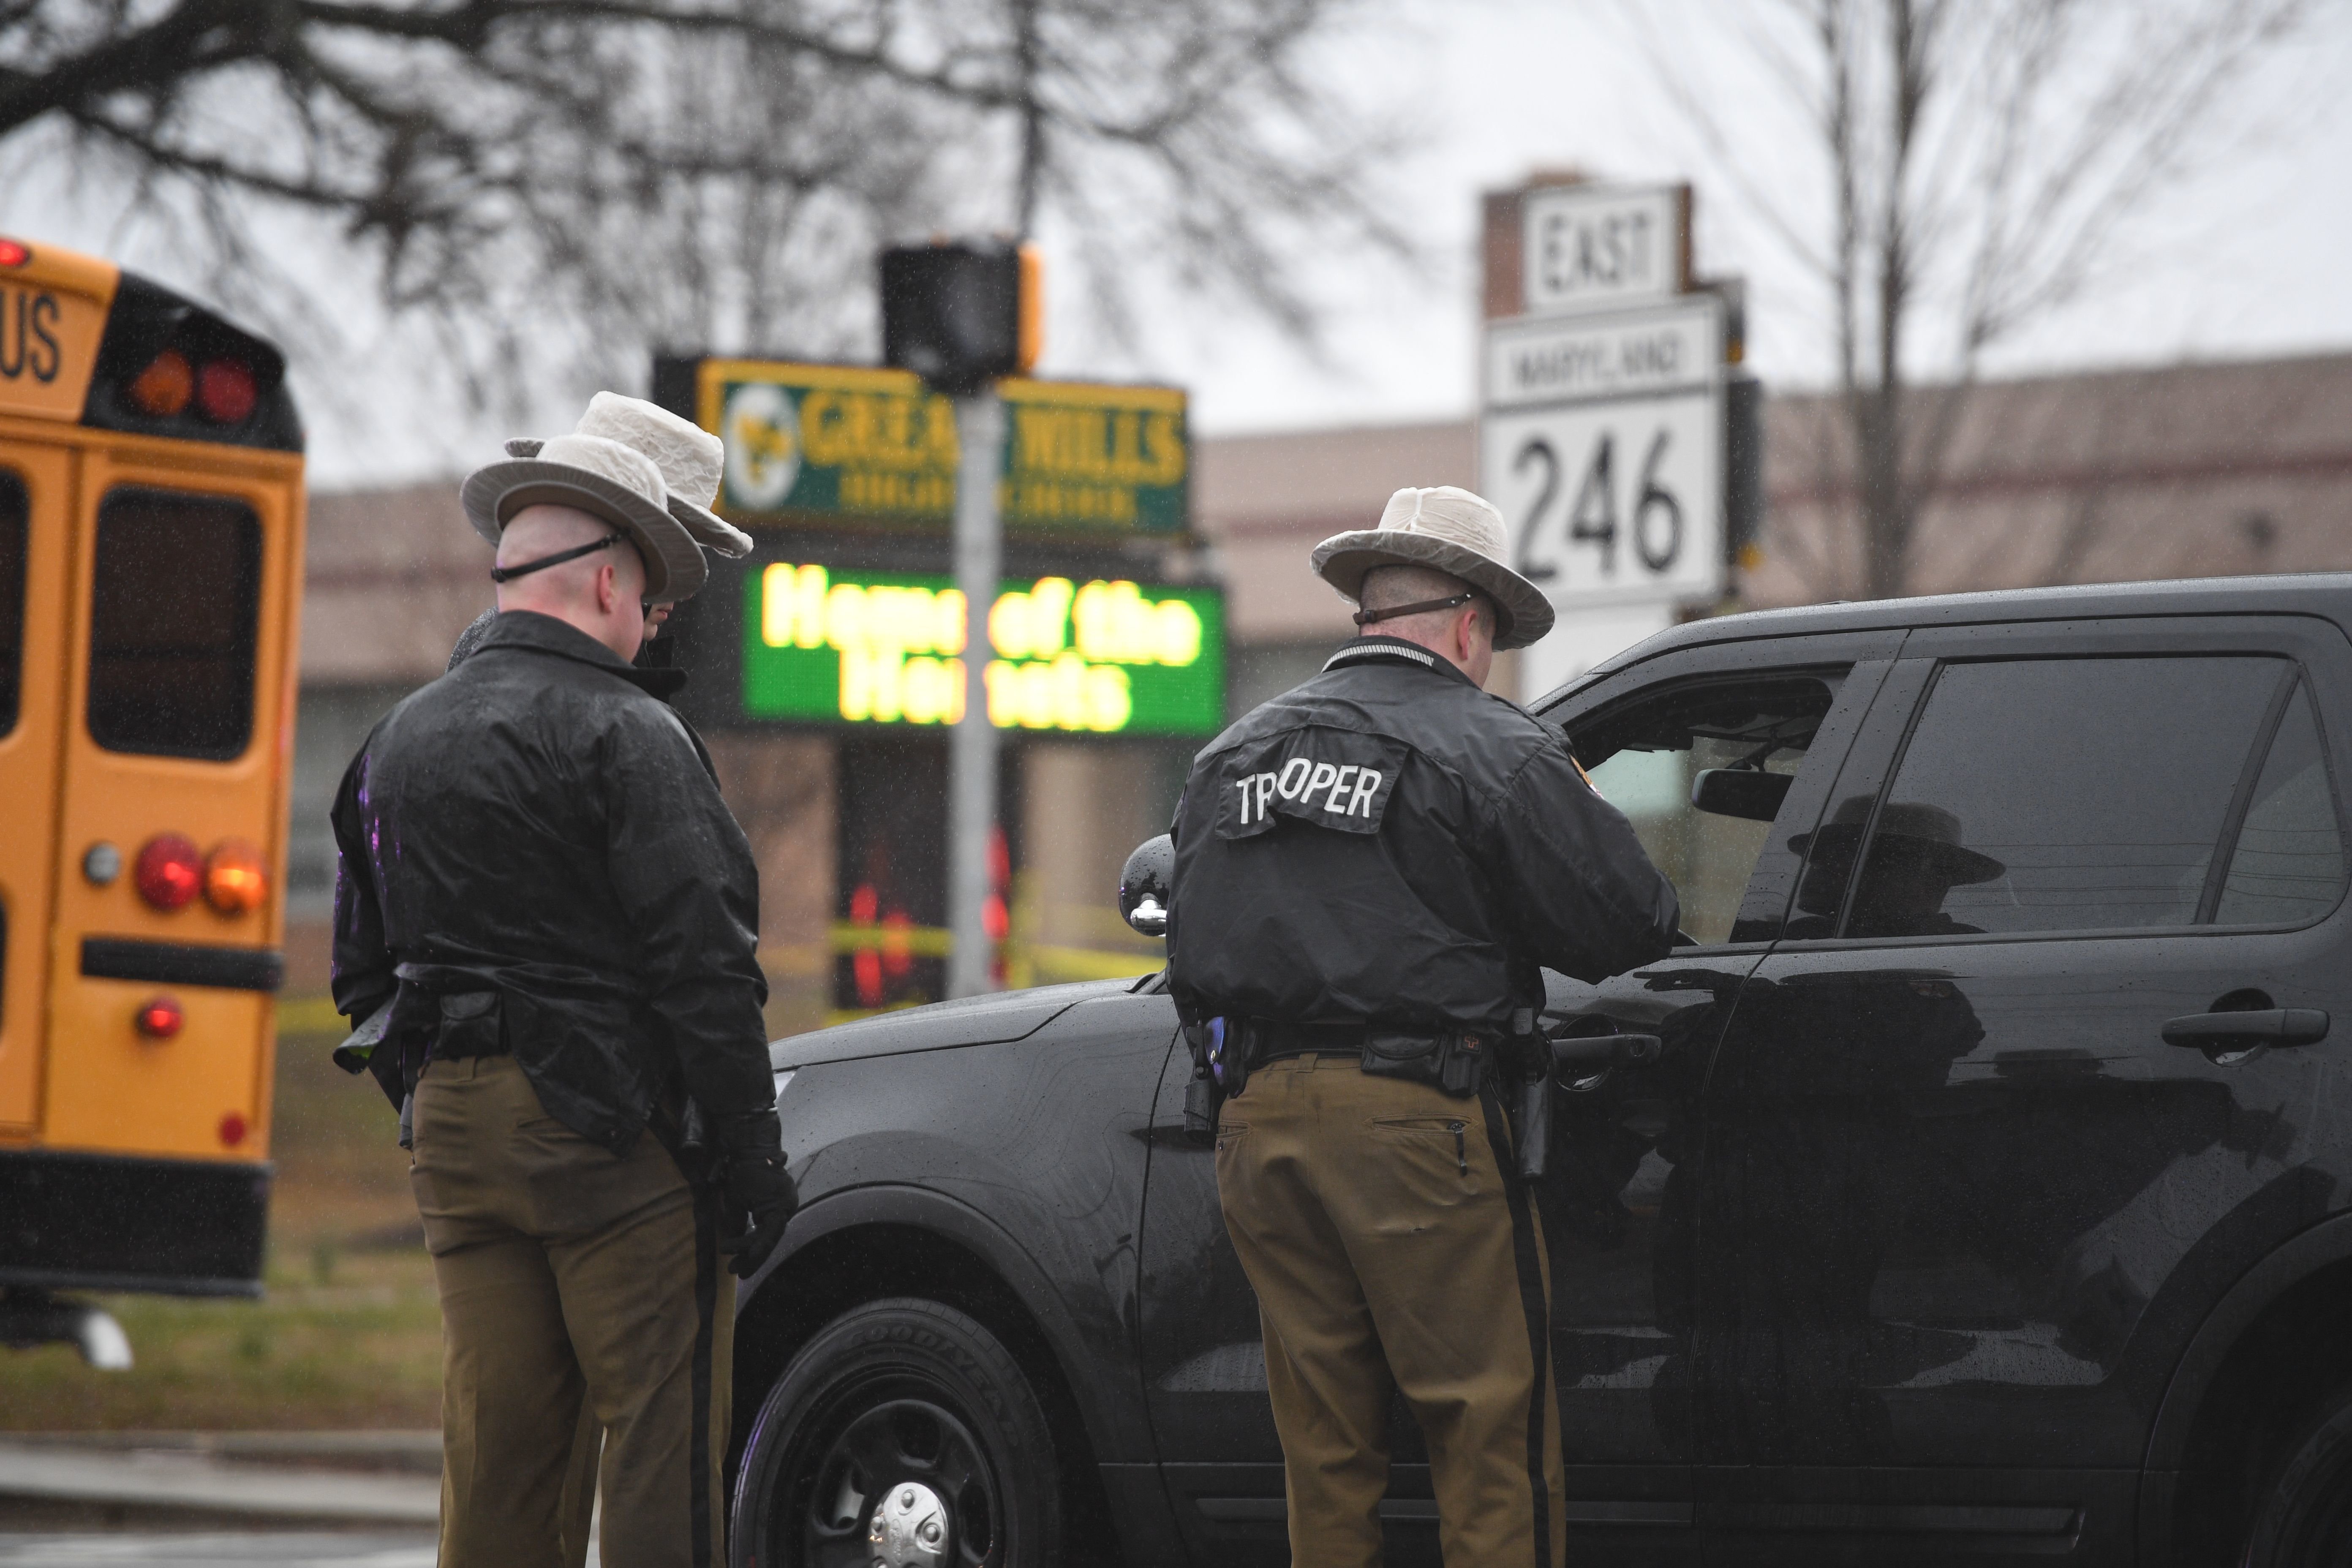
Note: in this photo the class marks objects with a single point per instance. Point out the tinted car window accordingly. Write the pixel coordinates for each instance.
(176, 604)
(1646, 760)
(16, 543)
(2288, 866)
(2057, 794)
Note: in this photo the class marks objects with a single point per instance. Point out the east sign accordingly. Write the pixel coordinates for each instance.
(859, 449)
(824, 644)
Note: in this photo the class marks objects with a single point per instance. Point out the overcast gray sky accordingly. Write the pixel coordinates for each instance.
(2248, 257)
(2253, 257)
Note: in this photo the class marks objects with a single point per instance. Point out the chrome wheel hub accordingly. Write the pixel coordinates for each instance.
(909, 1528)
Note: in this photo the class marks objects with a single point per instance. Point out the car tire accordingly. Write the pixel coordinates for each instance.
(2303, 1517)
(900, 1415)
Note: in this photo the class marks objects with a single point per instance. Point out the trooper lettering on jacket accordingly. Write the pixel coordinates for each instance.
(1331, 778)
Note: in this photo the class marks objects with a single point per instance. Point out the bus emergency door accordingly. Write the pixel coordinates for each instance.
(180, 714)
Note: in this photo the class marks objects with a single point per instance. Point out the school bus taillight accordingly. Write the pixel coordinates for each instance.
(169, 870)
(160, 1019)
(161, 390)
(235, 880)
(14, 253)
(226, 391)
(223, 391)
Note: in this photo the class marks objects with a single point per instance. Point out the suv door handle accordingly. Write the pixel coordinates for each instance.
(2273, 1027)
(1590, 1052)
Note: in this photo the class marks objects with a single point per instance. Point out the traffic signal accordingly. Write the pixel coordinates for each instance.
(960, 315)
(1743, 470)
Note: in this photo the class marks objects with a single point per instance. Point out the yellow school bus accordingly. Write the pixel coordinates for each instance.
(151, 573)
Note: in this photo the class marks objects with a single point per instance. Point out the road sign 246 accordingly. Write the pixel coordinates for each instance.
(1601, 443)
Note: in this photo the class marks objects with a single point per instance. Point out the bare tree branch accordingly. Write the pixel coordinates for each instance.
(1983, 164)
(623, 175)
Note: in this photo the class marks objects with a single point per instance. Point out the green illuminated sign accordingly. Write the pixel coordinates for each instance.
(1112, 658)
(855, 448)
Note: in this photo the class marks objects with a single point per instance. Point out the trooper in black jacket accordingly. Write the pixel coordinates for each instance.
(1372, 870)
(545, 925)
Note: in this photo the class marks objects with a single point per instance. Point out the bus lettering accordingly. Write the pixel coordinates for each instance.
(44, 322)
(34, 344)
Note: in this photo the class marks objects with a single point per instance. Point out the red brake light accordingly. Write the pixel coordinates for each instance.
(233, 1128)
(235, 878)
(160, 1019)
(169, 871)
(161, 390)
(226, 391)
(14, 253)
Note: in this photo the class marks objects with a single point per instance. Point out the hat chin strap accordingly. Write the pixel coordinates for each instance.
(508, 574)
(1366, 617)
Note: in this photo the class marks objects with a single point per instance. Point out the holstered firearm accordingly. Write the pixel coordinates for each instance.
(1221, 1049)
(1201, 1103)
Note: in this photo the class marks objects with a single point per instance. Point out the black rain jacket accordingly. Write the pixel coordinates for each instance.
(539, 825)
(1388, 844)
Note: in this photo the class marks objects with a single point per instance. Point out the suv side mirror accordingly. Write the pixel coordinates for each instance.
(1740, 792)
(1143, 885)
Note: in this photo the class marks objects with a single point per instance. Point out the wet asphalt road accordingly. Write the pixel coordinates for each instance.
(222, 1549)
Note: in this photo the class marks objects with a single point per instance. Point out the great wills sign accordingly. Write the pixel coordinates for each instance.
(1105, 656)
(859, 450)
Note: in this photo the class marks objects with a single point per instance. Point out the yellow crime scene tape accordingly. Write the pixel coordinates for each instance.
(1027, 964)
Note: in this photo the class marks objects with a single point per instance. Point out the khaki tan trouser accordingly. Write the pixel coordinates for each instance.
(1390, 1255)
(579, 1292)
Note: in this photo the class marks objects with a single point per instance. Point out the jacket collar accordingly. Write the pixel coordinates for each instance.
(1380, 649)
(531, 632)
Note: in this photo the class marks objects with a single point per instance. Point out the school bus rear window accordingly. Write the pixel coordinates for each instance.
(176, 604)
(15, 541)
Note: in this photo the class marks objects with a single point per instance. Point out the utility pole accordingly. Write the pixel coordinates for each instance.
(972, 758)
(960, 315)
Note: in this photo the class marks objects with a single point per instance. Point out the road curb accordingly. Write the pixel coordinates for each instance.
(414, 1451)
(186, 1478)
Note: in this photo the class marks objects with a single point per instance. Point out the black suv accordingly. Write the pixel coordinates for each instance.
(1987, 1198)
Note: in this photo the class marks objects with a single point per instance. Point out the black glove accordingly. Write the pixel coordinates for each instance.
(755, 1184)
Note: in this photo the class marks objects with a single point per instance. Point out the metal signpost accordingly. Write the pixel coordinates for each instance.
(1601, 431)
(971, 755)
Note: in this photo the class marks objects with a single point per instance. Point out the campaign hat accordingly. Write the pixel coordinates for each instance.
(610, 479)
(1453, 530)
(691, 460)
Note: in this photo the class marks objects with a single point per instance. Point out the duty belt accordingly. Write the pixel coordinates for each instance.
(1281, 1041)
(1278, 1042)
(1456, 1060)
(471, 1026)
